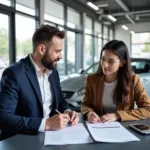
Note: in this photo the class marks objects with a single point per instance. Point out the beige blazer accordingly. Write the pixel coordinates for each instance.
(92, 100)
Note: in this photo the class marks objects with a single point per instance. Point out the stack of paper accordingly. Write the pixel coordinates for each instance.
(70, 135)
(110, 132)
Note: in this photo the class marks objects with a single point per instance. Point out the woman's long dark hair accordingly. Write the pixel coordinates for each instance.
(124, 76)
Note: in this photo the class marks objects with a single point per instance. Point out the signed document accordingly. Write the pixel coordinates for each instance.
(112, 132)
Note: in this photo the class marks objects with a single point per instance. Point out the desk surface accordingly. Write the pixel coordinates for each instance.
(29, 142)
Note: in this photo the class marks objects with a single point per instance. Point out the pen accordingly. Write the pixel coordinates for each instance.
(69, 122)
(57, 111)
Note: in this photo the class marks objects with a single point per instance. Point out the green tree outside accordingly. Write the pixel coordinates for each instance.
(147, 46)
(23, 47)
(4, 43)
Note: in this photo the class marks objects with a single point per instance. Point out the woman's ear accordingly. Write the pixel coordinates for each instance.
(122, 63)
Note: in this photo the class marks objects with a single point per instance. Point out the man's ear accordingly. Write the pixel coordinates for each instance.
(41, 49)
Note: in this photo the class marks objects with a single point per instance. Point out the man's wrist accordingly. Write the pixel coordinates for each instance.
(47, 125)
(90, 112)
(42, 125)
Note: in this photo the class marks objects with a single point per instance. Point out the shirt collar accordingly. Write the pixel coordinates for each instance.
(48, 72)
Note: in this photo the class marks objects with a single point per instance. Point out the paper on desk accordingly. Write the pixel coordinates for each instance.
(111, 132)
(70, 135)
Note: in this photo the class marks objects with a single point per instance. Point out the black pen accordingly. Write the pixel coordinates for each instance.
(69, 122)
(57, 111)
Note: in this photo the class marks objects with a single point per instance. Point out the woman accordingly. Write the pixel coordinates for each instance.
(114, 89)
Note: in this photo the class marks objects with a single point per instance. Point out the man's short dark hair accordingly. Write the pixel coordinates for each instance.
(44, 34)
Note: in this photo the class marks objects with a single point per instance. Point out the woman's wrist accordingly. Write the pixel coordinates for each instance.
(90, 112)
(117, 116)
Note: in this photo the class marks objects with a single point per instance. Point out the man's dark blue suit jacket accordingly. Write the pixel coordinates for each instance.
(21, 101)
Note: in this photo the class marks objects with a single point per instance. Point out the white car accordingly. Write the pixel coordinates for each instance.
(73, 85)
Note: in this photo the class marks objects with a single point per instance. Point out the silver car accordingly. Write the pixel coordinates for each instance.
(73, 85)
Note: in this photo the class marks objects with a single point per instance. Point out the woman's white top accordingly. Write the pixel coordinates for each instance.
(108, 104)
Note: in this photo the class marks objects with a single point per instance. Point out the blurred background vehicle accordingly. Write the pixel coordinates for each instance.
(73, 85)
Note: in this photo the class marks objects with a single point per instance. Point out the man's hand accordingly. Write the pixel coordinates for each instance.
(73, 117)
(92, 117)
(110, 117)
(57, 122)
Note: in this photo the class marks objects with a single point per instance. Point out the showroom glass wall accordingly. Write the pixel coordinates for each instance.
(140, 43)
(69, 20)
(18, 22)
(19, 19)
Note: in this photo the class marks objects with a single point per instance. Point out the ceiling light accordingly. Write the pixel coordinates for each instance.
(112, 18)
(92, 5)
(101, 3)
(132, 32)
(124, 27)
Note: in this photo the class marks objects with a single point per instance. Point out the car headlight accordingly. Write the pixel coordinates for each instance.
(80, 91)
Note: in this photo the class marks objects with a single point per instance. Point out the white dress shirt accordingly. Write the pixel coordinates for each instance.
(46, 93)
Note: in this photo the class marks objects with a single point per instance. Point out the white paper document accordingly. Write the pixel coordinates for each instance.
(70, 135)
(112, 132)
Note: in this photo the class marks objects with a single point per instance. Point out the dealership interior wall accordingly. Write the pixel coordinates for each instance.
(87, 30)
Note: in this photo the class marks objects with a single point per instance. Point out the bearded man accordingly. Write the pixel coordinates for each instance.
(31, 96)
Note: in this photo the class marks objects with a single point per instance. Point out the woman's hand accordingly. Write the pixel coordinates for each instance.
(92, 117)
(110, 117)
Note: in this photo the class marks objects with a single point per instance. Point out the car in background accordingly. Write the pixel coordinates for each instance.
(73, 84)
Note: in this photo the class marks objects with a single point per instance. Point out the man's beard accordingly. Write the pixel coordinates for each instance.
(47, 62)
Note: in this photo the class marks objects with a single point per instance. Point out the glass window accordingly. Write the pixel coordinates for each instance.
(88, 59)
(73, 19)
(61, 66)
(70, 52)
(61, 62)
(4, 42)
(97, 28)
(51, 14)
(98, 47)
(111, 34)
(88, 25)
(25, 28)
(104, 41)
(92, 69)
(141, 45)
(6, 2)
(141, 38)
(49, 23)
(105, 34)
(26, 6)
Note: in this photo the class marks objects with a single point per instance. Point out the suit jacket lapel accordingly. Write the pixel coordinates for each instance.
(31, 74)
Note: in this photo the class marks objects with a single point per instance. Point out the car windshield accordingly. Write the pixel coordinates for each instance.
(138, 66)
